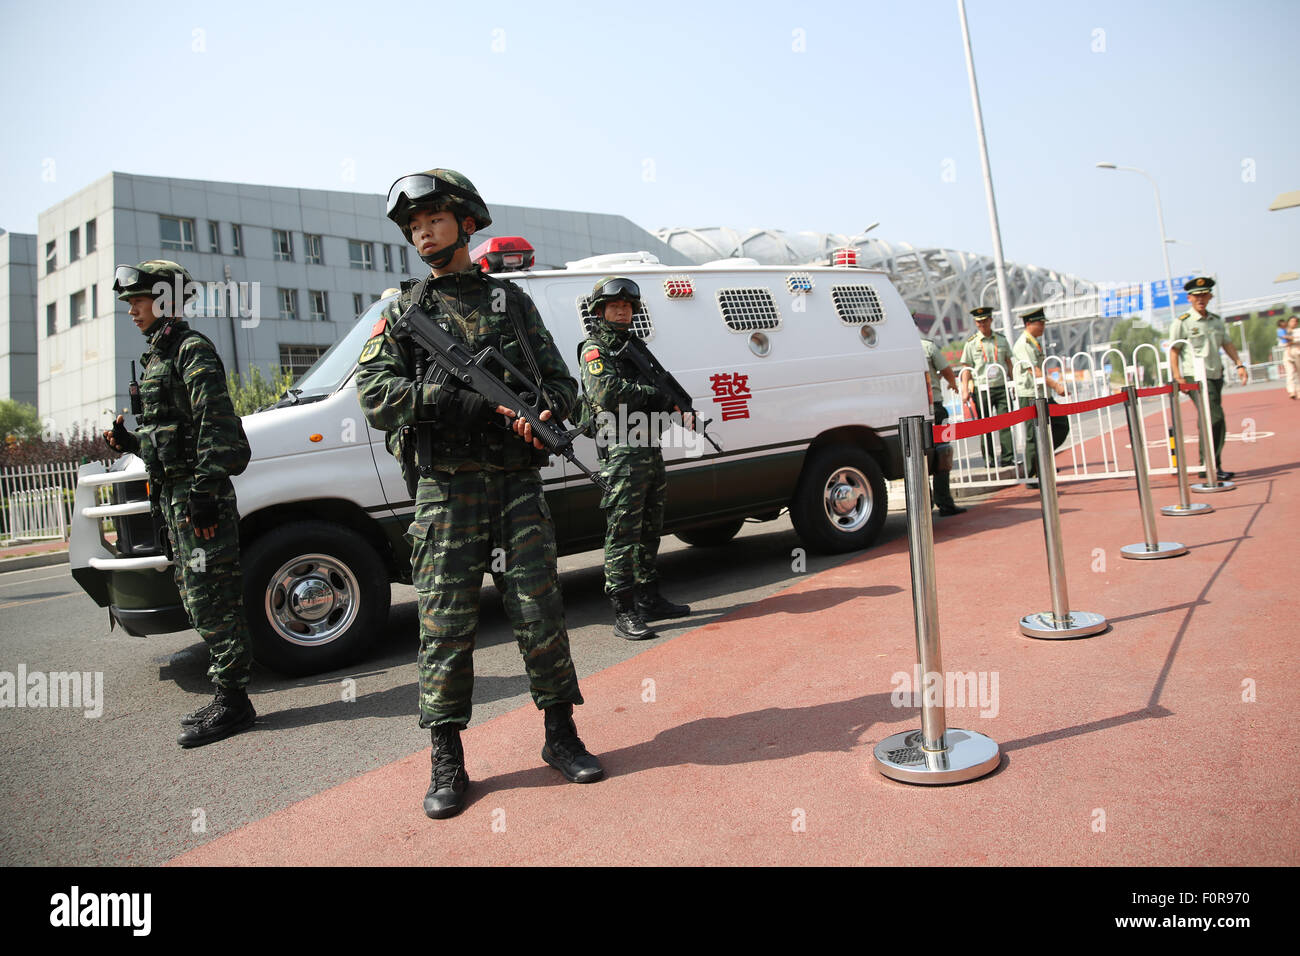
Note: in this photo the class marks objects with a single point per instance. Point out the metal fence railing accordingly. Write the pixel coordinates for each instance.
(36, 500)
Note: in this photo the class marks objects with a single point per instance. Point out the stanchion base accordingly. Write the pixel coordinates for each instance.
(1078, 624)
(969, 755)
(1221, 486)
(1195, 508)
(1140, 551)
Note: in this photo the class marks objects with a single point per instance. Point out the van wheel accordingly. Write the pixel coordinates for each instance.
(316, 596)
(712, 535)
(840, 502)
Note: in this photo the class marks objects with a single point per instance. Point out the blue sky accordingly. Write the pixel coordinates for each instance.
(824, 117)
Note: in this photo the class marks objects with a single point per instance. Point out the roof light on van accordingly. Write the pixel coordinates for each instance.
(503, 254)
(679, 287)
(844, 256)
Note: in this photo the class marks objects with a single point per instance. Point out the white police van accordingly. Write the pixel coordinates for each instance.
(804, 374)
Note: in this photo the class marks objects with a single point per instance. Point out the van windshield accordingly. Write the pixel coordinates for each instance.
(333, 367)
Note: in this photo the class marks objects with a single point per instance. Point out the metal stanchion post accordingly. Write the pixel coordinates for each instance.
(1152, 546)
(1060, 621)
(1206, 429)
(935, 753)
(1185, 504)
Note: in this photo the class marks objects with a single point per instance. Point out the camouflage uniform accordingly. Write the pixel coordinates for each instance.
(481, 492)
(632, 463)
(189, 434)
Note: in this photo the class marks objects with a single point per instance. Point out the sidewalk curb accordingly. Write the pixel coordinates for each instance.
(33, 561)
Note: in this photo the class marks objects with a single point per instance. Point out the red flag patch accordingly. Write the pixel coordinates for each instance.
(378, 327)
(590, 355)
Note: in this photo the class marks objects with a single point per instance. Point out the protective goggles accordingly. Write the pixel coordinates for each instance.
(128, 277)
(620, 289)
(418, 188)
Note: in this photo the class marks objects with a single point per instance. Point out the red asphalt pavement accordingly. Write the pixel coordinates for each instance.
(749, 739)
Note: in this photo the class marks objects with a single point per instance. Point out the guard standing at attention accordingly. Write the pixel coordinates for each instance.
(937, 366)
(1206, 333)
(192, 442)
(984, 353)
(632, 463)
(479, 494)
(1028, 357)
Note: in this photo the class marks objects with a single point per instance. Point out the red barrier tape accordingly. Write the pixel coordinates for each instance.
(1195, 386)
(1155, 390)
(1077, 408)
(982, 426)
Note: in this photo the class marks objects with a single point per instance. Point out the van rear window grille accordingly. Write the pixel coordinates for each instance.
(641, 324)
(745, 310)
(857, 304)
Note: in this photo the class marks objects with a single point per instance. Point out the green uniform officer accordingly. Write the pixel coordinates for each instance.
(630, 460)
(479, 506)
(1206, 333)
(1027, 357)
(983, 354)
(937, 367)
(192, 441)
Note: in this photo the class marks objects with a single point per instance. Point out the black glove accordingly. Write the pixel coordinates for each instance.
(121, 440)
(203, 511)
(463, 404)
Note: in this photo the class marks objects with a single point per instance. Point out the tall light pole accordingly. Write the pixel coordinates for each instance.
(1160, 217)
(1004, 299)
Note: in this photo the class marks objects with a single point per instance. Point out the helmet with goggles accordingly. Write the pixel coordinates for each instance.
(435, 189)
(612, 288)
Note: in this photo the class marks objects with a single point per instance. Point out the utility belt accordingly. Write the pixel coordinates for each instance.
(430, 451)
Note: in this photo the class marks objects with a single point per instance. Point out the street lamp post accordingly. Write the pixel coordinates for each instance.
(1160, 217)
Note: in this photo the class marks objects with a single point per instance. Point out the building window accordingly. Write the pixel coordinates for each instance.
(77, 308)
(319, 306)
(358, 303)
(214, 237)
(388, 258)
(296, 359)
(236, 240)
(361, 255)
(176, 233)
(282, 244)
(51, 257)
(74, 245)
(288, 303)
(94, 301)
(313, 244)
(51, 319)
(91, 237)
(401, 251)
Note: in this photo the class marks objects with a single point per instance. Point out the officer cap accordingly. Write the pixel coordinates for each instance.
(983, 312)
(1035, 315)
(131, 281)
(1199, 284)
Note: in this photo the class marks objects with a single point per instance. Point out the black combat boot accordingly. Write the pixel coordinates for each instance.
(230, 712)
(449, 781)
(652, 605)
(564, 749)
(628, 623)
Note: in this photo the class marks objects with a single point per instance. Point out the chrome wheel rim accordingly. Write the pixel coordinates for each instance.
(847, 499)
(312, 599)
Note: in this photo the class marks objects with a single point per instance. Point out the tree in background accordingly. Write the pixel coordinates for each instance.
(18, 421)
(1130, 333)
(252, 391)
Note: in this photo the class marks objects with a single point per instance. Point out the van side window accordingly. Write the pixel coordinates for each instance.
(641, 323)
(745, 310)
(857, 304)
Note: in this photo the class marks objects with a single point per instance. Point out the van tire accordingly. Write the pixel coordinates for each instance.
(712, 535)
(316, 596)
(840, 502)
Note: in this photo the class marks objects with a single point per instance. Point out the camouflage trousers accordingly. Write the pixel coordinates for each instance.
(467, 524)
(634, 515)
(210, 583)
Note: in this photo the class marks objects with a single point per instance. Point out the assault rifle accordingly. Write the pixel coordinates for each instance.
(664, 382)
(471, 371)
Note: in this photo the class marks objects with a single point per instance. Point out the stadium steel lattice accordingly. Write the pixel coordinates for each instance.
(940, 286)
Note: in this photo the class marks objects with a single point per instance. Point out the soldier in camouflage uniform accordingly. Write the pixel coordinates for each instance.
(632, 463)
(192, 441)
(479, 495)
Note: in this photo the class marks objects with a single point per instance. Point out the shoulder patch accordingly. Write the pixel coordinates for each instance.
(591, 354)
(371, 349)
(378, 327)
(595, 366)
